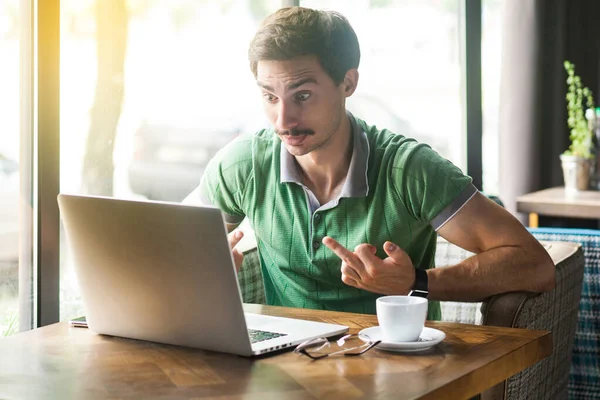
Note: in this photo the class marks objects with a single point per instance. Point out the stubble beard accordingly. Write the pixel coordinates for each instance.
(333, 128)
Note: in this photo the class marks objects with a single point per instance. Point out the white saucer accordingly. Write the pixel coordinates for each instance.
(429, 338)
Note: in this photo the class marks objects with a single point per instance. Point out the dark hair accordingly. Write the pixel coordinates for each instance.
(297, 31)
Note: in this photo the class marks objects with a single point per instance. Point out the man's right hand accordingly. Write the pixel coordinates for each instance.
(234, 238)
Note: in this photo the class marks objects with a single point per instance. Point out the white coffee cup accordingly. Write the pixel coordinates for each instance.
(401, 318)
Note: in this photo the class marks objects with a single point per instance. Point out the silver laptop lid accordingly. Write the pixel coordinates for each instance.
(143, 273)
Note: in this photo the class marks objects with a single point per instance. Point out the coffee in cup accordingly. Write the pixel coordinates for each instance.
(401, 318)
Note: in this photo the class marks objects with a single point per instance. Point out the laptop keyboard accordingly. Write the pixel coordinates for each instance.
(260, 336)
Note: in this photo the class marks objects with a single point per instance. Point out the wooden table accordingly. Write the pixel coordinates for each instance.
(558, 202)
(62, 362)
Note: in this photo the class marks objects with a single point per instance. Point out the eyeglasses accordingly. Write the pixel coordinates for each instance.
(348, 345)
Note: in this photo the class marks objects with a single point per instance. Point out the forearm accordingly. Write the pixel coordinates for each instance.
(499, 270)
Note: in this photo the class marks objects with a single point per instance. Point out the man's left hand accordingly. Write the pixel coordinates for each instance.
(361, 268)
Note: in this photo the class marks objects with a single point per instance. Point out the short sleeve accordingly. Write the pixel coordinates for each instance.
(428, 184)
(226, 178)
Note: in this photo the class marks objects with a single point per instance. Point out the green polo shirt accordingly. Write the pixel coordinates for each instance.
(396, 189)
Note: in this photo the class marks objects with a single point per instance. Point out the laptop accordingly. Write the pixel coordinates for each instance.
(164, 272)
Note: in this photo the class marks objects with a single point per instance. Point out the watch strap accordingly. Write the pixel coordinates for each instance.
(421, 287)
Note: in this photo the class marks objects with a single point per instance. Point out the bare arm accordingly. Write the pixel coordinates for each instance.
(508, 257)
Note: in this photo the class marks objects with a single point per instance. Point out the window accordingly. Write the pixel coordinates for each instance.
(490, 69)
(150, 90)
(16, 295)
(9, 167)
(410, 72)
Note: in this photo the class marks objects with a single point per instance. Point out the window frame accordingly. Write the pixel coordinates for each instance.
(473, 97)
(47, 170)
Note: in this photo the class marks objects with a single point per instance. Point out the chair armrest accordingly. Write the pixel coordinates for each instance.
(503, 309)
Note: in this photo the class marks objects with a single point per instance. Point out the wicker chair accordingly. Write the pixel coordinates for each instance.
(555, 311)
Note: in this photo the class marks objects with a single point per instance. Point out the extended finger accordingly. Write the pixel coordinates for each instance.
(343, 253)
(398, 255)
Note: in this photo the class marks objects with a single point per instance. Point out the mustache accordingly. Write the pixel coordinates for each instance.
(296, 132)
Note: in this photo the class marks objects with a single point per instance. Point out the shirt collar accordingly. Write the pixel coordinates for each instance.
(356, 184)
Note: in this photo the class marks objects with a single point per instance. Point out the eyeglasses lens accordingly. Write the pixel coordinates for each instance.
(349, 344)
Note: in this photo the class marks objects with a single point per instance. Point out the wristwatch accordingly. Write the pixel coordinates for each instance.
(420, 289)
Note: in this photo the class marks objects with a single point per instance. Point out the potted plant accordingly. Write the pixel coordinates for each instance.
(578, 159)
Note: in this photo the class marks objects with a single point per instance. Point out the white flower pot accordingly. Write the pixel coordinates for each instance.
(576, 172)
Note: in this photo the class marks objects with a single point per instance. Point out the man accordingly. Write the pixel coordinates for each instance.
(375, 199)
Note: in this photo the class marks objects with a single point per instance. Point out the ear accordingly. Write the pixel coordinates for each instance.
(350, 82)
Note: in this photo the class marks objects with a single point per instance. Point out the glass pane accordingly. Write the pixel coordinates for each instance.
(9, 166)
(491, 43)
(410, 72)
(150, 90)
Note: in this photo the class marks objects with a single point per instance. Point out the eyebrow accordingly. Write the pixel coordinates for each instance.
(291, 86)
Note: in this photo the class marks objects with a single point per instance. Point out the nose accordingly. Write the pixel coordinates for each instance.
(287, 116)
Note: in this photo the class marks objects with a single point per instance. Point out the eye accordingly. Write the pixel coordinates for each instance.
(269, 98)
(302, 96)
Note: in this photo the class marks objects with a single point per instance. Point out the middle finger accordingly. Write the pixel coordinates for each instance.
(367, 257)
